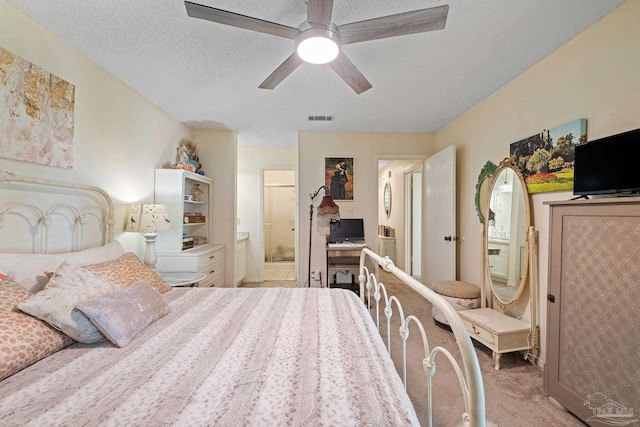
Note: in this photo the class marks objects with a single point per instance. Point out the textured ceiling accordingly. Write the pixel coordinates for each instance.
(207, 75)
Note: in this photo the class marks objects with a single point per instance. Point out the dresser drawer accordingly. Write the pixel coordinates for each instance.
(212, 280)
(480, 333)
(195, 260)
(210, 257)
(213, 268)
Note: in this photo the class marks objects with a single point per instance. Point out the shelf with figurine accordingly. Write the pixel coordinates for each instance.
(187, 157)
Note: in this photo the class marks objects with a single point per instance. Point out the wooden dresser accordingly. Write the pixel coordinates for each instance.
(593, 339)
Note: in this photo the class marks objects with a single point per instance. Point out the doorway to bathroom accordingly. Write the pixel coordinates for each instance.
(279, 211)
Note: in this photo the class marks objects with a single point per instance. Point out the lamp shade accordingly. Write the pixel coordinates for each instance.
(148, 218)
(328, 211)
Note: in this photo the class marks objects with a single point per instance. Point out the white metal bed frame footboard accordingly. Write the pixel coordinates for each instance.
(470, 381)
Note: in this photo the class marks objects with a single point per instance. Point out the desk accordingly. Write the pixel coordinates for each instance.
(346, 258)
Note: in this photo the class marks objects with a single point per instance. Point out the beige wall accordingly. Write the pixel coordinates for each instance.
(120, 137)
(252, 161)
(367, 149)
(594, 76)
(218, 155)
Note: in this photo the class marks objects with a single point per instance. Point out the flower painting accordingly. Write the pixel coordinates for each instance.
(546, 160)
(338, 177)
(36, 113)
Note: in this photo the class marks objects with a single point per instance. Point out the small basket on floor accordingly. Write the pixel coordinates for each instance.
(460, 295)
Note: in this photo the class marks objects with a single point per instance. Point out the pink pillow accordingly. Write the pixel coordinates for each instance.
(23, 339)
(127, 270)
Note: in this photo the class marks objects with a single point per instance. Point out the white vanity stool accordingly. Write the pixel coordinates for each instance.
(460, 295)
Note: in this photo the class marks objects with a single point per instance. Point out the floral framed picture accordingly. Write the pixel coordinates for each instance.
(339, 177)
(546, 159)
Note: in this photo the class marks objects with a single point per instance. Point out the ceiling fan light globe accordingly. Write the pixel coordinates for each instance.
(318, 45)
(318, 50)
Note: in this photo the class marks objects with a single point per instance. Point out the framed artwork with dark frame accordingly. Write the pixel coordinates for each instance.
(339, 177)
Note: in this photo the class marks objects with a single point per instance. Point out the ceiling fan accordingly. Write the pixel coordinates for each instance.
(318, 39)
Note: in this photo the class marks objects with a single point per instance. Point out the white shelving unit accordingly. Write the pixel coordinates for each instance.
(171, 187)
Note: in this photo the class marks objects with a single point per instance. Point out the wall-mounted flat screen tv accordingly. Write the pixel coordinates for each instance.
(347, 230)
(608, 165)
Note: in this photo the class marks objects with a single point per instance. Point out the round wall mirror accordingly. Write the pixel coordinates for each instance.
(387, 199)
(482, 188)
(508, 217)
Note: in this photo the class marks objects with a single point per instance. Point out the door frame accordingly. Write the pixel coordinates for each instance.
(264, 169)
(422, 158)
(408, 215)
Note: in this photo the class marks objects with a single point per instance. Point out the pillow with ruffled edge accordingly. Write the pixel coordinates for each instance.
(24, 339)
(56, 303)
(123, 314)
(127, 270)
(28, 270)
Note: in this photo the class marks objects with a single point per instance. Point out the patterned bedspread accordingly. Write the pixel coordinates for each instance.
(223, 357)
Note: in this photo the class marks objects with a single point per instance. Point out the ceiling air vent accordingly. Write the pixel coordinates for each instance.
(320, 118)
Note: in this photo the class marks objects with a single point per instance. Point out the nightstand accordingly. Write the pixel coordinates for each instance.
(181, 279)
(203, 259)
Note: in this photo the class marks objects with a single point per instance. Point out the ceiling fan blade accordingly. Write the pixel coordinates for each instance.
(349, 73)
(319, 11)
(417, 21)
(286, 68)
(220, 16)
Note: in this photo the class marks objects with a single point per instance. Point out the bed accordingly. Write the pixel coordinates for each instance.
(207, 356)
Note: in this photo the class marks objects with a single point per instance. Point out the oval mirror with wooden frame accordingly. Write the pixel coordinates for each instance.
(387, 199)
(508, 216)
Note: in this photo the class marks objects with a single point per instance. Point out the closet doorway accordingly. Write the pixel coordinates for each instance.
(413, 222)
(400, 211)
(279, 210)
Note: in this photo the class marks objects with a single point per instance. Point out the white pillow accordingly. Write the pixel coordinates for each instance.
(28, 269)
(56, 303)
(96, 255)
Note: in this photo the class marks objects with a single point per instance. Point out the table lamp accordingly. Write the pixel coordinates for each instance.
(149, 219)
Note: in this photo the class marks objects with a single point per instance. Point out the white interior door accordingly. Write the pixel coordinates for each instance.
(440, 206)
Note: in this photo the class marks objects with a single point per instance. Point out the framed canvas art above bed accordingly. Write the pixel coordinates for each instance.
(36, 113)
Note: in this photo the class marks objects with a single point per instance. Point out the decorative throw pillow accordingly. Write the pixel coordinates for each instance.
(23, 339)
(56, 303)
(28, 269)
(127, 270)
(123, 314)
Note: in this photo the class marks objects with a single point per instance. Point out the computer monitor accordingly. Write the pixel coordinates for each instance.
(347, 230)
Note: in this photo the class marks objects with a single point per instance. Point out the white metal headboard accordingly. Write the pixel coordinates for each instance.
(46, 216)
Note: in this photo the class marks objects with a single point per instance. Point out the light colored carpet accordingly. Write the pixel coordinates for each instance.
(514, 395)
(270, 284)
